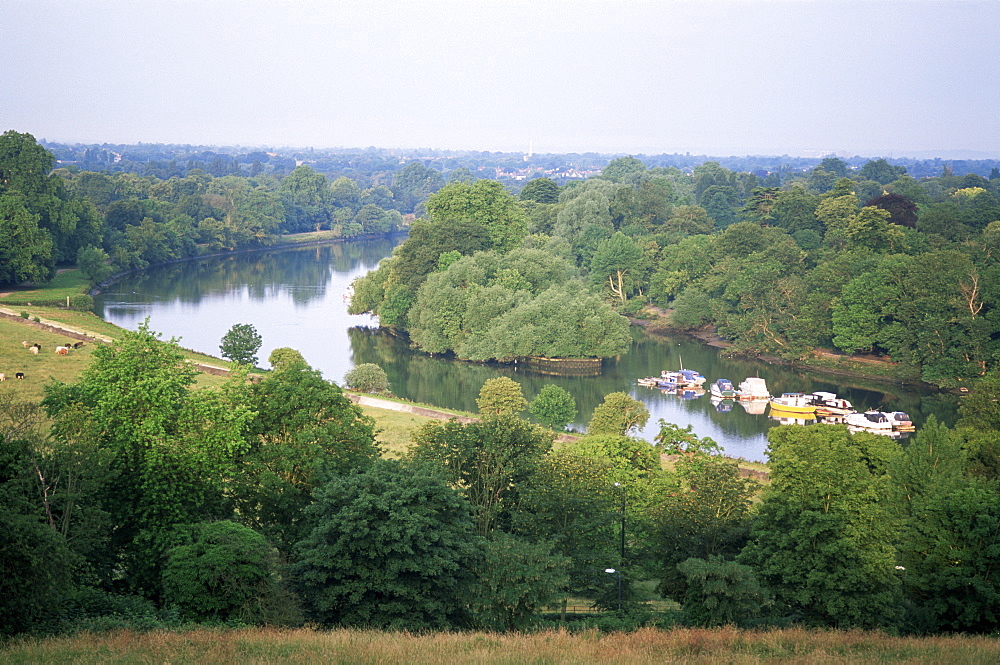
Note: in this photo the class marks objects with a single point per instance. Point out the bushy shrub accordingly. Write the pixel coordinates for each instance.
(227, 572)
(81, 302)
(393, 548)
(95, 610)
(367, 378)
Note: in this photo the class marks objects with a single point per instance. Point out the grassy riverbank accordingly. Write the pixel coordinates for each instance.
(649, 645)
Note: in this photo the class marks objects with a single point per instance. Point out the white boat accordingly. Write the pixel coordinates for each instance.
(869, 421)
(722, 388)
(753, 388)
(900, 421)
(828, 404)
(793, 405)
(683, 378)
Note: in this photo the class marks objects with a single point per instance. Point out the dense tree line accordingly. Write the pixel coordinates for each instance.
(865, 260)
(149, 502)
(106, 221)
(850, 256)
(371, 166)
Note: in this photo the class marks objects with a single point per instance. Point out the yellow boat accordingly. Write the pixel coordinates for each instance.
(796, 405)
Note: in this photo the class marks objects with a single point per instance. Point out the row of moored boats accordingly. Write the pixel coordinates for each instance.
(830, 408)
(788, 407)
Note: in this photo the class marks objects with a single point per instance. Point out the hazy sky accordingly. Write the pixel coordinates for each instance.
(803, 77)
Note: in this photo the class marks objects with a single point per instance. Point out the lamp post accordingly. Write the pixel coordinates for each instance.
(622, 550)
(612, 570)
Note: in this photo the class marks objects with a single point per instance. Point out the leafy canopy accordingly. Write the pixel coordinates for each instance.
(241, 344)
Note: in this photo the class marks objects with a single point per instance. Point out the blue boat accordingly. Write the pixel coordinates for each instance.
(722, 388)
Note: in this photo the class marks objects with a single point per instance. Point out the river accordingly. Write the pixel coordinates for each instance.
(294, 297)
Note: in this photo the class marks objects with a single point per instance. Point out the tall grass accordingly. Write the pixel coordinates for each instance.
(683, 645)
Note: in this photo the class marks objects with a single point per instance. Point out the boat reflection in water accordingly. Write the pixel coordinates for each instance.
(722, 405)
(754, 407)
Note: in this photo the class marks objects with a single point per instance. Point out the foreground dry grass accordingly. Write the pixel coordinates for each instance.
(726, 645)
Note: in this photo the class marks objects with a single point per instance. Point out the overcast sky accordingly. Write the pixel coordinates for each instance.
(719, 77)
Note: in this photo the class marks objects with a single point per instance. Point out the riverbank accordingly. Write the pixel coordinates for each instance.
(819, 361)
(88, 328)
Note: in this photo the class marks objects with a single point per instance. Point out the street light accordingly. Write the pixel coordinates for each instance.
(622, 551)
(612, 570)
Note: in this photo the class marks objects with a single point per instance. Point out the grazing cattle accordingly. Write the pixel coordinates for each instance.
(3, 377)
(24, 344)
(19, 375)
(34, 349)
(62, 350)
(77, 345)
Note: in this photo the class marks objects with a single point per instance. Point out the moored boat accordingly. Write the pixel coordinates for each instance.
(869, 421)
(722, 388)
(828, 404)
(683, 378)
(900, 421)
(753, 388)
(794, 405)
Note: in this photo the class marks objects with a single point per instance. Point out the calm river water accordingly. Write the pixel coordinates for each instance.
(295, 298)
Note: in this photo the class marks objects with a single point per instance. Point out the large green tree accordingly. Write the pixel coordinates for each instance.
(171, 450)
(501, 396)
(306, 197)
(303, 429)
(488, 460)
(540, 190)
(393, 547)
(948, 545)
(485, 202)
(36, 564)
(824, 540)
(618, 414)
(227, 572)
(241, 343)
(554, 406)
(569, 500)
(25, 247)
(614, 263)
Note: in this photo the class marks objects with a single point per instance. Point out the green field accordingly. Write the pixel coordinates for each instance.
(37, 369)
(648, 645)
(65, 284)
(394, 429)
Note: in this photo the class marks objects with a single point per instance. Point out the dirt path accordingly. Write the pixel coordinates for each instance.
(377, 403)
(54, 326)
